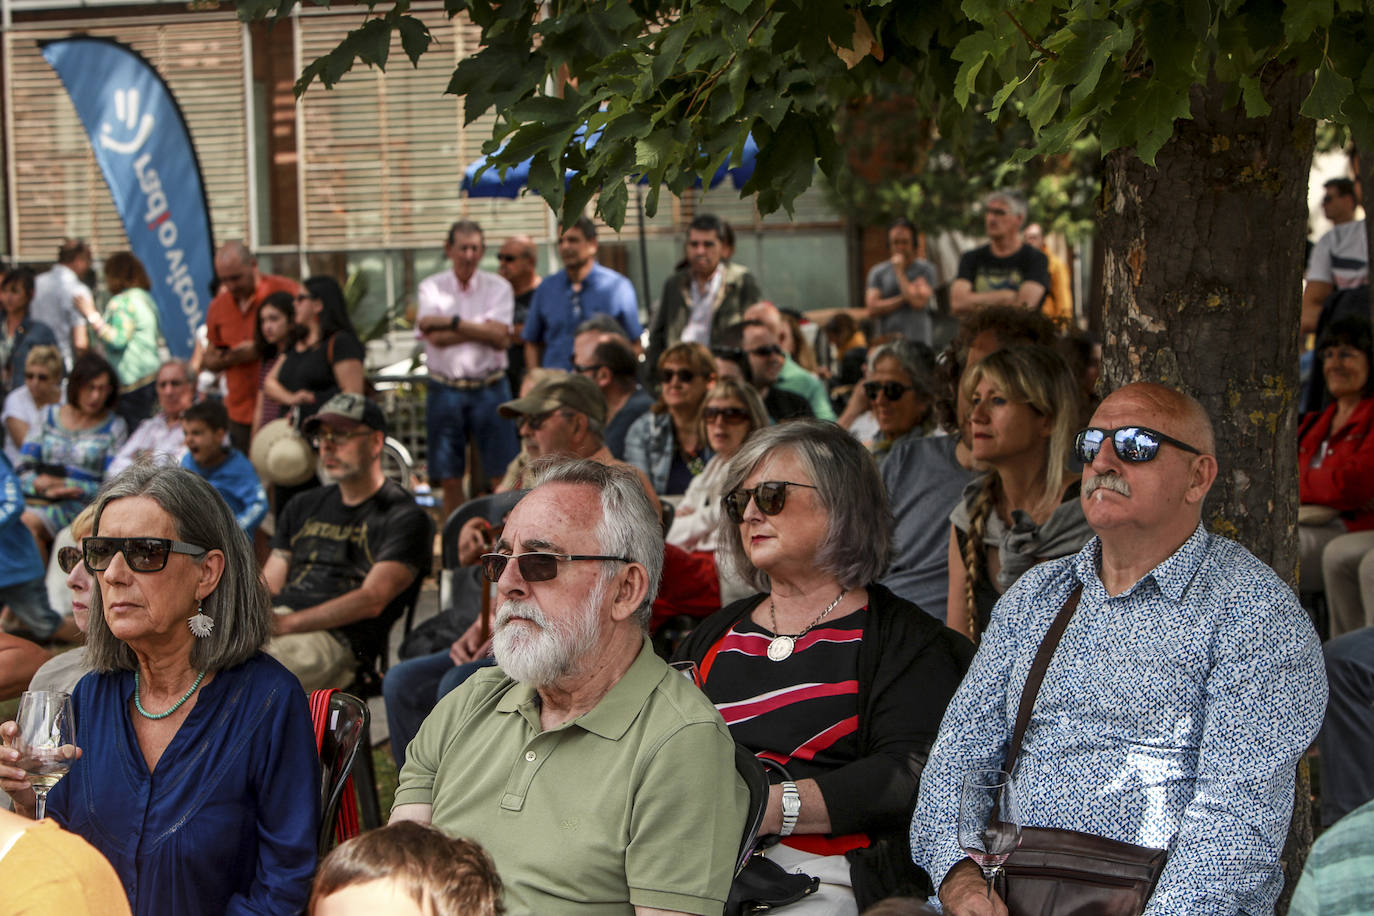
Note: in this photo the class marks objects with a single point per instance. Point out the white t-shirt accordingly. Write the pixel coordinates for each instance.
(18, 404)
(1341, 257)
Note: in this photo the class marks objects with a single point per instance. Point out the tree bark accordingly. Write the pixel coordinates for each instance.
(1203, 285)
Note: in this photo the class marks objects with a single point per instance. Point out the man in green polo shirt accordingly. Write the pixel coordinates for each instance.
(600, 780)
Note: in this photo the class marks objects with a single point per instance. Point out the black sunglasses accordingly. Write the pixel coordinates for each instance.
(1136, 444)
(68, 557)
(535, 420)
(142, 554)
(591, 367)
(507, 258)
(686, 376)
(538, 566)
(770, 496)
(765, 352)
(893, 391)
(728, 414)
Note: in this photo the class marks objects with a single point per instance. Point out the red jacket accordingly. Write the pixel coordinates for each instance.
(1344, 480)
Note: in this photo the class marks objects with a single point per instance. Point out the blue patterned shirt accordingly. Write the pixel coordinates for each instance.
(1172, 715)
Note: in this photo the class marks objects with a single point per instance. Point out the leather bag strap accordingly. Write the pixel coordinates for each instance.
(1038, 667)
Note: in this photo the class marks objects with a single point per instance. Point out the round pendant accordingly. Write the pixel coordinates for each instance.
(780, 648)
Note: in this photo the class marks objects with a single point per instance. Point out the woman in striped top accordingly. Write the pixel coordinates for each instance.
(826, 672)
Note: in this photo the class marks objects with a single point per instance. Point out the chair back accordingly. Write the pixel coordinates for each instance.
(751, 771)
(493, 508)
(341, 723)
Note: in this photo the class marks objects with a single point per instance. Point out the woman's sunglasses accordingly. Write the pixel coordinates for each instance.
(142, 554)
(686, 376)
(68, 557)
(770, 496)
(538, 566)
(731, 415)
(893, 391)
(1136, 444)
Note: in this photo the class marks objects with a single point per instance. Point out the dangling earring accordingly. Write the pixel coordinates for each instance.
(201, 624)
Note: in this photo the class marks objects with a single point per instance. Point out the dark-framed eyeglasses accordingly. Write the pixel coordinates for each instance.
(1136, 444)
(731, 415)
(535, 420)
(893, 391)
(333, 438)
(142, 554)
(591, 367)
(68, 557)
(36, 376)
(766, 352)
(770, 496)
(996, 211)
(507, 258)
(686, 376)
(536, 566)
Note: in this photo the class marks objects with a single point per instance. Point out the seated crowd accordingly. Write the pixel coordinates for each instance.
(876, 579)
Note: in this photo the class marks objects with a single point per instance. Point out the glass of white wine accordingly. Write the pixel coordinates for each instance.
(46, 742)
(989, 822)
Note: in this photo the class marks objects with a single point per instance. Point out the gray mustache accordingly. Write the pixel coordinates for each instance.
(1113, 482)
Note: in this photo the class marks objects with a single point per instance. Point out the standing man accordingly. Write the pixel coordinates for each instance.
(1339, 261)
(706, 296)
(58, 297)
(1058, 302)
(517, 263)
(901, 290)
(567, 298)
(230, 323)
(1005, 271)
(465, 316)
(1186, 686)
(595, 776)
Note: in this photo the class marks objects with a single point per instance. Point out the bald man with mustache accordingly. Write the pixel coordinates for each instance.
(1184, 689)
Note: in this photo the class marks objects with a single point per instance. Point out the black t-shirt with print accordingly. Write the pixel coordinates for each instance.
(987, 272)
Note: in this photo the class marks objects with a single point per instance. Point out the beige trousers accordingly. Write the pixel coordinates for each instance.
(318, 660)
(1348, 572)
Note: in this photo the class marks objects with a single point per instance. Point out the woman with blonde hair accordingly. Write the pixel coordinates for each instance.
(1024, 508)
(24, 405)
(666, 442)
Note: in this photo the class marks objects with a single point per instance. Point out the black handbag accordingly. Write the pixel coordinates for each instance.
(1066, 872)
(762, 884)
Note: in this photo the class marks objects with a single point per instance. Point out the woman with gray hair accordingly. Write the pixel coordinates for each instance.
(198, 776)
(897, 387)
(826, 673)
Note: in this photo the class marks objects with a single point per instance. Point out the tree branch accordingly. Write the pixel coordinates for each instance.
(1029, 40)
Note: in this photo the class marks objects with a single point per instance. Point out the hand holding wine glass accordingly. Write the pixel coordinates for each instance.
(989, 823)
(42, 745)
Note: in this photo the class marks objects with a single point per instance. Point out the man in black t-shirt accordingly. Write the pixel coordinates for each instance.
(343, 555)
(1005, 271)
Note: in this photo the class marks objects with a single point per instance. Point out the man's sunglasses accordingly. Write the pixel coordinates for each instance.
(765, 352)
(686, 376)
(142, 554)
(36, 376)
(1136, 444)
(538, 566)
(591, 367)
(731, 415)
(770, 496)
(535, 420)
(68, 557)
(893, 391)
(507, 258)
(335, 438)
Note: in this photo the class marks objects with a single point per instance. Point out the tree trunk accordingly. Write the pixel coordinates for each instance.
(1203, 285)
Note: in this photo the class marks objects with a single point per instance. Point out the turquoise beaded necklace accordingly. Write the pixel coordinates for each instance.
(138, 703)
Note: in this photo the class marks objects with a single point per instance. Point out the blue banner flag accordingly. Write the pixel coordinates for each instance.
(145, 152)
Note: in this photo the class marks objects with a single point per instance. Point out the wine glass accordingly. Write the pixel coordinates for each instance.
(989, 822)
(46, 742)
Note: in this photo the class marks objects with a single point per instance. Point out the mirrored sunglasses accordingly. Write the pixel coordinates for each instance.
(1136, 444)
(893, 391)
(770, 496)
(68, 557)
(142, 554)
(537, 566)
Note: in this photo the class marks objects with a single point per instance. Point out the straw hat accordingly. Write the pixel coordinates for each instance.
(281, 455)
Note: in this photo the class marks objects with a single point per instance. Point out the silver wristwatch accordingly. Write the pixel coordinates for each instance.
(791, 808)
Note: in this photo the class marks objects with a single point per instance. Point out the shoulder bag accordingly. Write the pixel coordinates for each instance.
(1064, 872)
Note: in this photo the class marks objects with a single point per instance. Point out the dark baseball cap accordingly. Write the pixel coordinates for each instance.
(576, 392)
(352, 407)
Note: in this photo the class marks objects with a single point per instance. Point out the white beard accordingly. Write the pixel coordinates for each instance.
(540, 652)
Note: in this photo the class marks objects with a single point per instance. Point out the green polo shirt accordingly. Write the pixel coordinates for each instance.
(797, 380)
(634, 803)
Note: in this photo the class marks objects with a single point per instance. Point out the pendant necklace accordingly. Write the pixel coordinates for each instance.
(781, 646)
(138, 702)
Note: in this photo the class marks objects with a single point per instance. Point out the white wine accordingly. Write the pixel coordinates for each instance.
(46, 767)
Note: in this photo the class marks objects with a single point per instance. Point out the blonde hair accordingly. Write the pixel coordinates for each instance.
(1038, 377)
(46, 356)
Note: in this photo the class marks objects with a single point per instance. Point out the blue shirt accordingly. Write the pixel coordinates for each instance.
(238, 483)
(226, 823)
(1172, 715)
(19, 559)
(555, 311)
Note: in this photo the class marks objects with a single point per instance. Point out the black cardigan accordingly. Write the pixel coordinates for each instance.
(910, 664)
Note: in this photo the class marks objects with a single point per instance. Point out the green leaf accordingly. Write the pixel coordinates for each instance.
(1329, 92)
(371, 42)
(973, 52)
(1304, 18)
(669, 50)
(415, 38)
(1252, 92)
(611, 206)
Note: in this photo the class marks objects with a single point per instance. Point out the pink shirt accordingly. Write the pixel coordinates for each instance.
(487, 297)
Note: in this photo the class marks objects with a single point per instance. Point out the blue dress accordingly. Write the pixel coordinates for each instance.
(227, 822)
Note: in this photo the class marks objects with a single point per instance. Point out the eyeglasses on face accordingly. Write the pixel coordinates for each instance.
(766, 352)
(770, 496)
(731, 415)
(537, 566)
(996, 211)
(533, 421)
(592, 367)
(68, 557)
(332, 437)
(37, 376)
(893, 391)
(686, 376)
(507, 258)
(1136, 444)
(142, 554)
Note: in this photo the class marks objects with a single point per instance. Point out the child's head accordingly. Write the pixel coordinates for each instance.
(203, 427)
(406, 869)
